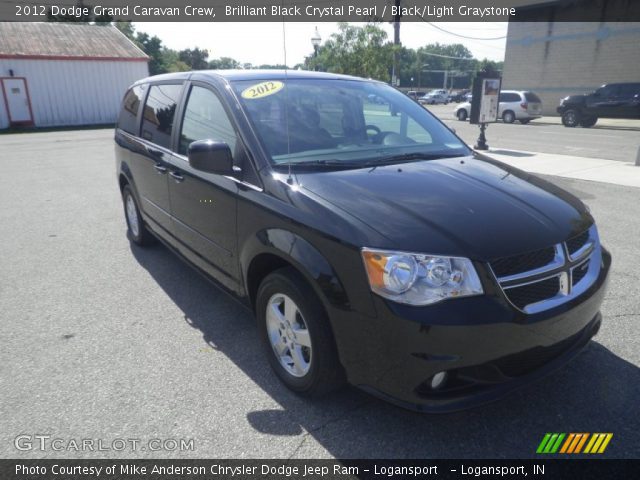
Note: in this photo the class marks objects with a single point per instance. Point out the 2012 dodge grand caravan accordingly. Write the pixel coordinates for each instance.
(373, 248)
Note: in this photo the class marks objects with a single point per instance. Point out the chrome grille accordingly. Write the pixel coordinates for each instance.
(537, 281)
(528, 294)
(522, 263)
(576, 243)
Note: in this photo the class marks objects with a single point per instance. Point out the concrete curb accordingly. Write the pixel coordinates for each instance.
(581, 168)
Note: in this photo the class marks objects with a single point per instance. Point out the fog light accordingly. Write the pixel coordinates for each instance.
(438, 380)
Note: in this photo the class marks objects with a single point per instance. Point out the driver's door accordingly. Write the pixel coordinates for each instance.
(203, 205)
(604, 102)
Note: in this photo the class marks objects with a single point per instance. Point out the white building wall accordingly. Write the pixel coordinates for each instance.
(73, 92)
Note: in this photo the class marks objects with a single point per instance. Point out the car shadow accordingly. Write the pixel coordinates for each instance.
(511, 153)
(596, 392)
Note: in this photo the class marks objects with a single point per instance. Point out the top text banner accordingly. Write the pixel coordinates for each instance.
(320, 10)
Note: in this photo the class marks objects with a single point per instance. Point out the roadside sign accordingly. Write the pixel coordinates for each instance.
(485, 99)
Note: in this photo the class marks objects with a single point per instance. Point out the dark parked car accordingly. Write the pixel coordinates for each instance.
(460, 96)
(372, 248)
(613, 100)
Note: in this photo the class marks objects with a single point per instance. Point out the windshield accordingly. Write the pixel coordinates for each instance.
(331, 121)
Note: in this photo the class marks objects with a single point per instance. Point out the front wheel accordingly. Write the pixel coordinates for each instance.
(588, 122)
(571, 118)
(508, 117)
(462, 114)
(296, 334)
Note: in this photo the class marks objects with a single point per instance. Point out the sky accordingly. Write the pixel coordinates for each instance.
(262, 43)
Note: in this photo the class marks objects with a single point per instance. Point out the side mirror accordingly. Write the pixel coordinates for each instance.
(211, 157)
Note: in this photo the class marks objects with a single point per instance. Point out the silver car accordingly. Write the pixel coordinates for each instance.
(514, 105)
(433, 98)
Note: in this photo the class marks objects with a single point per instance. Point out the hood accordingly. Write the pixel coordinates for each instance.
(471, 207)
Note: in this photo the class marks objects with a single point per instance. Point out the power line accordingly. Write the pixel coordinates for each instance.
(446, 56)
(461, 36)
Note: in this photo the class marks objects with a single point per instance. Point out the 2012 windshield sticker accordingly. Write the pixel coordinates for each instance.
(263, 89)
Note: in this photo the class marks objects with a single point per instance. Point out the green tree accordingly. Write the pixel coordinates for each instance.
(195, 58)
(153, 47)
(127, 29)
(224, 63)
(354, 50)
(434, 57)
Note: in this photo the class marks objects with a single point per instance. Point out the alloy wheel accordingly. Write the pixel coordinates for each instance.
(288, 335)
(132, 216)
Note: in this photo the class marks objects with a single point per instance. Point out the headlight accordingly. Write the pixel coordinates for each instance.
(418, 279)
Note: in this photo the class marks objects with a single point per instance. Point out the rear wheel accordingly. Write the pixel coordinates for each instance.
(296, 334)
(571, 118)
(508, 117)
(461, 114)
(588, 122)
(138, 232)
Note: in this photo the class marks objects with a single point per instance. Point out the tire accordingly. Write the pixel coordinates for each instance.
(136, 229)
(461, 114)
(571, 118)
(508, 117)
(588, 122)
(524, 121)
(307, 362)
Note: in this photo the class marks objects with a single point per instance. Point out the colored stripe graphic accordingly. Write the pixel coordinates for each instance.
(567, 443)
(543, 443)
(550, 443)
(556, 445)
(604, 445)
(574, 442)
(581, 443)
(590, 444)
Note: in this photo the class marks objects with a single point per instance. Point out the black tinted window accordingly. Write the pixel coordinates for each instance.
(630, 90)
(205, 119)
(159, 112)
(509, 97)
(607, 91)
(127, 120)
(532, 97)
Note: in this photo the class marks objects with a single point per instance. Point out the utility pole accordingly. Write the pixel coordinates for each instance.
(396, 42)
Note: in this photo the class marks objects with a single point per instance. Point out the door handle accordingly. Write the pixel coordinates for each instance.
(159, 168)
(176, 176)
(154, 152)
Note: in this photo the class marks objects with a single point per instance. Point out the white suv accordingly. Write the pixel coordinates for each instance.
(514, 105)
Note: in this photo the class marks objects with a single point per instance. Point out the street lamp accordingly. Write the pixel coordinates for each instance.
(315, 41)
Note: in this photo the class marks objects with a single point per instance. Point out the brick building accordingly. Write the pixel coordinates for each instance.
(555, 59)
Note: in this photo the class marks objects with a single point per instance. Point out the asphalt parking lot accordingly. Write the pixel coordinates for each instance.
(104, 340)
(612, 142)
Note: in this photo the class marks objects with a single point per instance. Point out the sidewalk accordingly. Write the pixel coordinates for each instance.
(581, 168)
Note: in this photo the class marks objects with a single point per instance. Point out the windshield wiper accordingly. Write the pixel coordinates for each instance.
(407, 157)
(375, 162)
(323, 164)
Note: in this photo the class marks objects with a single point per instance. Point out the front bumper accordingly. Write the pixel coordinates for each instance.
(485, 345)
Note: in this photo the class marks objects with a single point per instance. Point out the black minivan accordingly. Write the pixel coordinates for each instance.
(372, 244)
